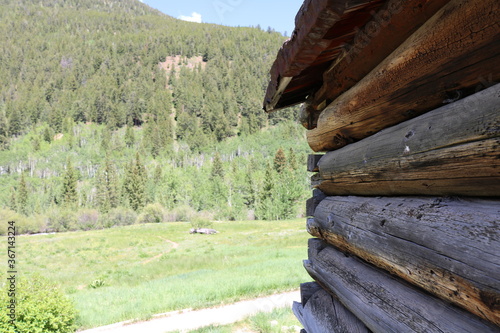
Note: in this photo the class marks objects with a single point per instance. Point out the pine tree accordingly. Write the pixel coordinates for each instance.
(15, 125)
(48, 134)
(71, 139)
(4, 130)
(249, 195)
(107, 187)
(166, 130)
(102, 196)
(267, 189)
(69, 193)
(217, 167)
(13, 199)
(292, 160)
(267, 205)
(155, 141)
(158, 174)
(129, 136)
(35, 142)
(135, 184)
(22, 196)
(279, 161)
(105, 138)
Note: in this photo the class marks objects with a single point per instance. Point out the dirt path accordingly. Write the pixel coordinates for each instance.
(187, 320)
(174, 246)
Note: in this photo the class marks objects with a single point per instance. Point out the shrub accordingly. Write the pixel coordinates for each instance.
(88, 219)
(182, 213)
(32, 224)
(120, 216)
(200, 221)
(40, 308)
(152, 213)
(7, 215)
(24, 224)
(61, 220)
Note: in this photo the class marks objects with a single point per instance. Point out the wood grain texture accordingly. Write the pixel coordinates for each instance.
(449, 247)
(454, 150)
(322, 27)
(324, 314)
(385, 303)
(388, 29)
(455, 49)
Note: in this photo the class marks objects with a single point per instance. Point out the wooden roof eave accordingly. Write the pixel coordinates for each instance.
(313, 46)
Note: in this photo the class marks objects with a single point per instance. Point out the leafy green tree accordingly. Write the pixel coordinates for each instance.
(69, 190)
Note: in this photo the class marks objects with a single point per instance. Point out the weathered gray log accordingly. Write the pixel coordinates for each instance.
(455, 49)
(449, 247)
(453, 150)
(307, 290)
(324, 314)
(313, 202)
(383, 302)
(205, 231)
(312, 162)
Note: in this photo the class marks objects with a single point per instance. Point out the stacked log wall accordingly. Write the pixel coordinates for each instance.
(406, 209)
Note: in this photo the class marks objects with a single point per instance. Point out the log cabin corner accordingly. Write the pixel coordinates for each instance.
(402, 109)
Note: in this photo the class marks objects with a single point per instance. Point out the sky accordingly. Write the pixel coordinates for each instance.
(277, 14)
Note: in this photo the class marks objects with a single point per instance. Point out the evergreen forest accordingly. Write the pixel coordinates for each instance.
(112, 113)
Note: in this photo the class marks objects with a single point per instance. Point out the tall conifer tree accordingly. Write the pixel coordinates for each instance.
(69, 193)
(135, 184)
(22, 196)
(280, 161)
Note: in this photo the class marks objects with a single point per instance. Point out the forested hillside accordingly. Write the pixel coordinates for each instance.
(110, 111)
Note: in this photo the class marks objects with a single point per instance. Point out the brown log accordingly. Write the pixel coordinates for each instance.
(453, 150)
(385, 303)
(455, 49)
(448, 247)
(388, 29)
(324, 314)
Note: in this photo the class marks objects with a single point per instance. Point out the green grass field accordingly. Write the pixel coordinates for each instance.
(136, 271)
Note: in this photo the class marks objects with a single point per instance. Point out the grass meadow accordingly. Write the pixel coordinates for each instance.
(136, 271)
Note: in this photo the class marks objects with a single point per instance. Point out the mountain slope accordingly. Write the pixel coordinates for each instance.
(112, 111)
(98, 61)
